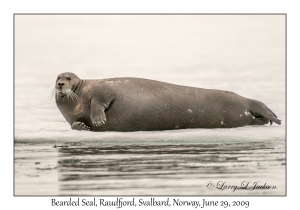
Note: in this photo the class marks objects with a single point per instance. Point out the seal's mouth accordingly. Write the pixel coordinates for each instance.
(64, 94)
(61, 94)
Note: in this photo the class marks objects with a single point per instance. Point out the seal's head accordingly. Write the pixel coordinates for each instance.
(65, 86)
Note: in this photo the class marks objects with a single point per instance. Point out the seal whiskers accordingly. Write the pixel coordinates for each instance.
(71, 96)
(52, 94)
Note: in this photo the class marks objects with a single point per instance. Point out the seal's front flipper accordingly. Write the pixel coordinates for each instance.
(263, 113)
(97, 113)
(80, 126)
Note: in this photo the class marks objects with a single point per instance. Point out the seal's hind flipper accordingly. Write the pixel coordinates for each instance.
(262, 114)
(259, 121)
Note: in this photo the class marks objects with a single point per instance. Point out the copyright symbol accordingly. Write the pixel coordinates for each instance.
(209, 185)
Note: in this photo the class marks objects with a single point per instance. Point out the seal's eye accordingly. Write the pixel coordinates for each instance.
(68, 78)
(58, 78)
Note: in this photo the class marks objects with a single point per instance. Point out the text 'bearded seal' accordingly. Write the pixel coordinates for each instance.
(133, 104)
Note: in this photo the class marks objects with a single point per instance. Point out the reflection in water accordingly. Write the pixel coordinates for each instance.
(170, 169)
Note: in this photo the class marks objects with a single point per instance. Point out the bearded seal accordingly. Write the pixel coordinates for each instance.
(134, 104)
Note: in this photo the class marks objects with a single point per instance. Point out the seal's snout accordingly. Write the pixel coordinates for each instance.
(60, 84)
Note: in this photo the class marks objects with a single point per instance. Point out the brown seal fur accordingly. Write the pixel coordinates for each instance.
(134, 104)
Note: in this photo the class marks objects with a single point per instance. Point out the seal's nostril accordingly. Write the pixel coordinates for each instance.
(60, 84)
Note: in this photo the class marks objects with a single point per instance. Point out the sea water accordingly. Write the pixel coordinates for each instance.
(242, 54)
